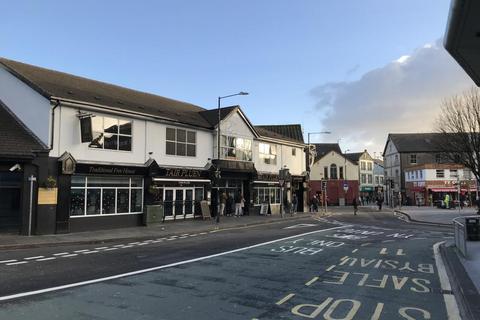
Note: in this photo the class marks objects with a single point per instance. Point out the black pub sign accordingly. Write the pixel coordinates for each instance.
(179, 173)
(100, 169)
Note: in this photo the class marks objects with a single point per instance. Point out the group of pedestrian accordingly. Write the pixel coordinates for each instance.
(227, 203)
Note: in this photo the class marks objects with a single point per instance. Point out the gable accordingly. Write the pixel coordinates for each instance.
(236, 125)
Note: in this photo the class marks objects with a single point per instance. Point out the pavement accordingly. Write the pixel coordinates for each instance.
(465, 270)
(15, 241)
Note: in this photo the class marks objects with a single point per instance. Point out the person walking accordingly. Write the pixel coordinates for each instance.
(238, 204)
(294, 204)
(379, 203)
(315, 203)
(355, 206)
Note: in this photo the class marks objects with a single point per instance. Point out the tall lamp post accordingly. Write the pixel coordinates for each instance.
(217, 171)
(345, 177)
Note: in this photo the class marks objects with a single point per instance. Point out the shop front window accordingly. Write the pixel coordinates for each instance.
(105, 195)
(266, 195)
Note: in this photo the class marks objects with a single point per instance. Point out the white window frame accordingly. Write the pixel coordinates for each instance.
(225, 148)
(268, 152)
(182, 142)
(118, 134)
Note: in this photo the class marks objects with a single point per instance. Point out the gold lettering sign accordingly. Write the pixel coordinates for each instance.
(183, 173)
(47, 196)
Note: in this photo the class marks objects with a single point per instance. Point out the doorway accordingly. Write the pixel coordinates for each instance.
(180, 203)
(10, 201)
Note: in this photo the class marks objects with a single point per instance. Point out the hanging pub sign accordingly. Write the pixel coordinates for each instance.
(86, 129)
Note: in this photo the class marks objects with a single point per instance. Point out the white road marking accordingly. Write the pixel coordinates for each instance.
(7, 261)
(193, 235)
(101, 248)
(354, 250)
(15, 263)
(88, 252)
(301, 225)
(123, 275)
(110, 249)
(314, 279)
(331, 268)
(365, 244)
(80, 251)
(31, 258)
(70, 255)
(285, 299)
(203, 233)
(61, 253)
(117, 246)
(450, 301)
(132, 243)
(128, 246)
(46, 259)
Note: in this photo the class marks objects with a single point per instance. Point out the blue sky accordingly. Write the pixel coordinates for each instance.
(279, 51)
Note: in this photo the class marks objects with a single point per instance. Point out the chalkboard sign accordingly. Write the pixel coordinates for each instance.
(205, 209)
(264, 208)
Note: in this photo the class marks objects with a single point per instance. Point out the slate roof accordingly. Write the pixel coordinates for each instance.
(416, 142)
(292, 132)
(211, 116)
(324, 148)
(354, 156)
(15, 140)
(51, 83)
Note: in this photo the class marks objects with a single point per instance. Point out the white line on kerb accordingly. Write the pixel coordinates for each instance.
(83, 283)
(450, 302)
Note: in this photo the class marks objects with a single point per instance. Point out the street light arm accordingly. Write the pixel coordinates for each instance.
(241, 93)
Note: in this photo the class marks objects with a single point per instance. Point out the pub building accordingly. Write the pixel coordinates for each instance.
(105, 156)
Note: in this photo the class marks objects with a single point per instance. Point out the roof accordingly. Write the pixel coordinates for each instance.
(462, 36)
(324, 148)
(62, 85)
(15, 140)
(378, 162)
(416, 142)
(291, 132)
(354, 156)
(211, 116)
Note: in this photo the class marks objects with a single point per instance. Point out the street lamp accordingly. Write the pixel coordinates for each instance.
(308, 145)
(345, 178)
(217, 170)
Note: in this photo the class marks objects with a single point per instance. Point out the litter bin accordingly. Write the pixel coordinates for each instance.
(473, 228)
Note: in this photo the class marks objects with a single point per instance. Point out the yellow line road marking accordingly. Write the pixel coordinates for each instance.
(285, 299)
(314, 279)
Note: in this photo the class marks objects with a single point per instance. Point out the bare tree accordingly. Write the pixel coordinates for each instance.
(459, 128)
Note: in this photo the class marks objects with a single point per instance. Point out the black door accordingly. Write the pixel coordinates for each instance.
(10, 199)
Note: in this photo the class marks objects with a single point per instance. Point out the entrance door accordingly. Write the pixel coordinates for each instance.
(10, 198)
(168, 204)
(189, 202)
(179, 203)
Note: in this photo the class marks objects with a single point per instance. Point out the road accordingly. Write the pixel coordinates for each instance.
(372, 266)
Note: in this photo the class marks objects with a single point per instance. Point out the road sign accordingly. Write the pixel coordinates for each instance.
(281, 182)
(345, 186)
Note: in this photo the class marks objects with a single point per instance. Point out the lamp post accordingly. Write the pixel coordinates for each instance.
(345, 177)
(217, 172)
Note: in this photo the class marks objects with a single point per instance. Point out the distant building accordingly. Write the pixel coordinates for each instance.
(365, 173)
(332, 166)
(403, 151)
(378, 178)
(428, 184)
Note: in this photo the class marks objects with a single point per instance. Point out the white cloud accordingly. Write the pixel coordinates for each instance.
(402, 96)
(402, 59)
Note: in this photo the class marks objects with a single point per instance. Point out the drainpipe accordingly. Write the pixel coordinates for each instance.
(53, 123)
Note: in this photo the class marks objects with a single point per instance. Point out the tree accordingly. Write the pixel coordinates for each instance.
(459, 129)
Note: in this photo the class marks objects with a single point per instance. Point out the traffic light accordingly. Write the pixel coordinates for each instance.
(392, 184)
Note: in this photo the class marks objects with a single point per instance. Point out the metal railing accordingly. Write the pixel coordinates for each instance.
(460, 235)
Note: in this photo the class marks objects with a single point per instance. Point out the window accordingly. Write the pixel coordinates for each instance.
(111, 134)
(413, 159)
(236, 148)
(397, 174)
(362, 165)
(370, 179)
(369, 166)
(453, 173)
(325, 173)
(181, 142)
(440, 173)
(340, 172)
(333, 171)
(377, 180)
(268, 153)
(266, 195)
(294, 152)
(421, 174)
(381, 180)
(364, 178)
(416, 174)
(396, 159)
(105, 195)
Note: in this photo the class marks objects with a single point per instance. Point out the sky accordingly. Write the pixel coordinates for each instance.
(358, 68)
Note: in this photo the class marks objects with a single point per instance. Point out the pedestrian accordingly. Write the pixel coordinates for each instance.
(242, 205)
(379, 203)
(294, 204)
(229, 205)
(315, 203)
(355, 206)
(238, 204)
(223, 203)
